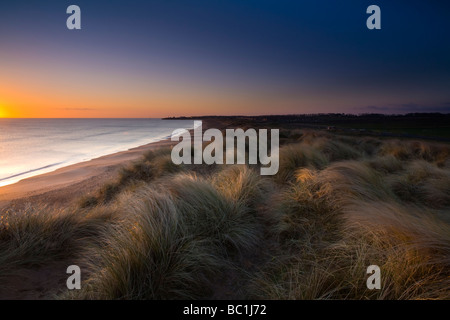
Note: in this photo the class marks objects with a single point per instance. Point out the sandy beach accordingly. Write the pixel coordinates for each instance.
(63, 185)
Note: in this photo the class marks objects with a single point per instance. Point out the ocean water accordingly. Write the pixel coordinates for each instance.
(30, 147)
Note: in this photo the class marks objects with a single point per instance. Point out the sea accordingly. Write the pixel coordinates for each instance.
(29, 147)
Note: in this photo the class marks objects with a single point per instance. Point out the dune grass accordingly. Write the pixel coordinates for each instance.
(337, 205)
(36, 237)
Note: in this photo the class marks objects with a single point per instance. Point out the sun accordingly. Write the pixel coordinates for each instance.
(3, 113)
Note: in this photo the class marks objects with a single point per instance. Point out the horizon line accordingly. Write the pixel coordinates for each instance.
(241, 115)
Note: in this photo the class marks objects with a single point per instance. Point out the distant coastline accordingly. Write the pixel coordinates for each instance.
(429, 126)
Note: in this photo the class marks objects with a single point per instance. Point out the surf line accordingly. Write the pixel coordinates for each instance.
(213, 153)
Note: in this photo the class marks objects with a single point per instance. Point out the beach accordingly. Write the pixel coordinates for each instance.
(43, 162)
(63, 185)
(67, 184)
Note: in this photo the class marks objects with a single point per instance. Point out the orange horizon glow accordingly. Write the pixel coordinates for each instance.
(131, 99)
(120, 108)
(34, 93)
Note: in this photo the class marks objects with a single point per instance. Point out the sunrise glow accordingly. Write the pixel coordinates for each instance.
(2, 112)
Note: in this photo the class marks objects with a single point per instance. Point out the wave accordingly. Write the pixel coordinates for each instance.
(30, 171)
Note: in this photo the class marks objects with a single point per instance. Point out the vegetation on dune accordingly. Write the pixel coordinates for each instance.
(155, 164)
(175, 239)
(337, 205)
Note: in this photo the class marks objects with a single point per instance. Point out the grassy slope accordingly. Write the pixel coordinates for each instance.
(337, 205)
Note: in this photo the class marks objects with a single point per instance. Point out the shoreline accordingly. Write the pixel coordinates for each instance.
(48, 168)
(64, 184)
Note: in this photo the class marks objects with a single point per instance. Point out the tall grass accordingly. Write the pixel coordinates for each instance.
(151, 256)
(366, 219)
(37, 237)
(174, 240)
(153, 165)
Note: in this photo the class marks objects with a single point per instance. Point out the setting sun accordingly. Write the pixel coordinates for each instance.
(5, 111)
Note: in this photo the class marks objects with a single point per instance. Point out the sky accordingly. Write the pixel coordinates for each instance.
(215, 57)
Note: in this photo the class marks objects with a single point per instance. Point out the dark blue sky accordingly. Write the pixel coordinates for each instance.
(227, 57)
